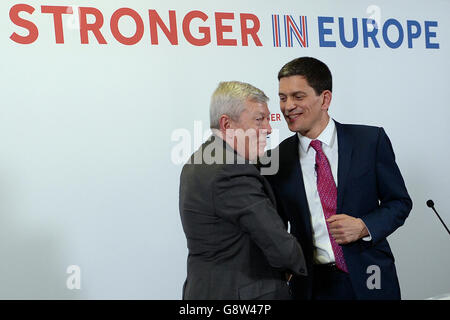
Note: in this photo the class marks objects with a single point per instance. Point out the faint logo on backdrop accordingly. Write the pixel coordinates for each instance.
(374, 13)
(73, 22)
(74, 280)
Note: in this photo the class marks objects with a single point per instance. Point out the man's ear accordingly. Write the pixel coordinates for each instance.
(327, 96)
(224, 123)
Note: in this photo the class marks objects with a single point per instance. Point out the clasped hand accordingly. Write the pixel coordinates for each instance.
(346, 229)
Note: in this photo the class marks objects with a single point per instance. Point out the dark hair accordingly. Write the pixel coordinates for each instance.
(315, 72)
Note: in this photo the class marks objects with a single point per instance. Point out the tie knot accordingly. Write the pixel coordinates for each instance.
(316, 145)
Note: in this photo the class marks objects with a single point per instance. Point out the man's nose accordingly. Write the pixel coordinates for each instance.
(268, 127)
(290, 105)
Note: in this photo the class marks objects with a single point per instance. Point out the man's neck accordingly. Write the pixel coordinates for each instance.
(314, 132)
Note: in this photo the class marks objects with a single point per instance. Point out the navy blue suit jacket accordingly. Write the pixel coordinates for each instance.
(370, 187)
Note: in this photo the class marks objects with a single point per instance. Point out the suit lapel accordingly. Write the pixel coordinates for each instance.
(345, 149)
(296, 188)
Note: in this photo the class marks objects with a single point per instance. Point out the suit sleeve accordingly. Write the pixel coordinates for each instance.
(395, 203)
(241, 199)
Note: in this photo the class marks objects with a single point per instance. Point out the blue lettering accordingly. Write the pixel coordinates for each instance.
(429, 35)
(354, 41)
(413, 35)
(323, 31)
(392, 32)
(390, 44)
(370, 34)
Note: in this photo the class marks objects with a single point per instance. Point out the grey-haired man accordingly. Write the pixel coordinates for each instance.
(238, 245)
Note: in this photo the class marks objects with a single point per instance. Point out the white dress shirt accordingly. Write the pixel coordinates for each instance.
(323, 252)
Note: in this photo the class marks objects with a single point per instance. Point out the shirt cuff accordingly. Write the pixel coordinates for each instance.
(369, 237)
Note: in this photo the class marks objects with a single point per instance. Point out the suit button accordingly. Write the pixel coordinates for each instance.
(302, 271)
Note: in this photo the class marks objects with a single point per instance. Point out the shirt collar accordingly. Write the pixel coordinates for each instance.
(327, 136)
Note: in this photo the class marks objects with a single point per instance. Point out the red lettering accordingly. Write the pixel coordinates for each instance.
(275, 117)
(220, 29)
(115, 26)
(155, 21)
(204, 30)
(57, 12)
(33, 31)
(85, 27)
(92, 20)
(246, 31)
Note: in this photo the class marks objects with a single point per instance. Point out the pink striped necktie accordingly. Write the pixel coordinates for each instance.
(328, 197)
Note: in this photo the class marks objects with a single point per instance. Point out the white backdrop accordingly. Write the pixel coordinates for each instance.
(86, 170)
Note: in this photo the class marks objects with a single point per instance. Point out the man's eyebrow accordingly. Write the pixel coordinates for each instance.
(291, 93)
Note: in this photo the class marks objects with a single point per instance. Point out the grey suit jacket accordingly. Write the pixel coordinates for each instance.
(238, 245)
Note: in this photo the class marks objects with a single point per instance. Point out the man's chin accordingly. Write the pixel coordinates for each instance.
(294, 127)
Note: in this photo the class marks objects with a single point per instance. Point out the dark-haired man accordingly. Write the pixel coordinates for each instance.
(341, 190)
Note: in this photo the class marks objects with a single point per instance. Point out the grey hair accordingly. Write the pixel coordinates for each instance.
(229, 98)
